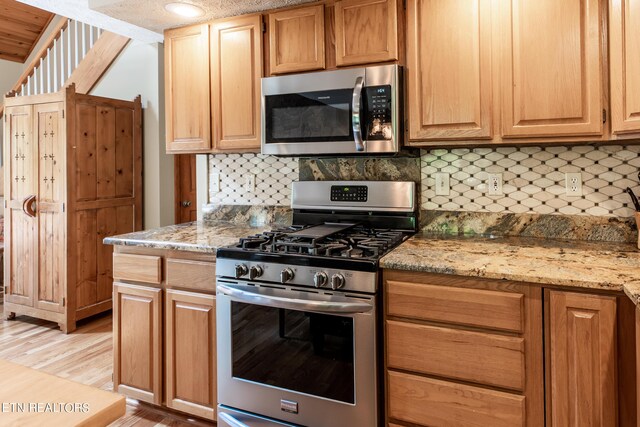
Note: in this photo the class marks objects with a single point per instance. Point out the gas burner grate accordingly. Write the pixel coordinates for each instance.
(357, 242)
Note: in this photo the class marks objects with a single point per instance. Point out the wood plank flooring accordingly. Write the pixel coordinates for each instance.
(86, 356)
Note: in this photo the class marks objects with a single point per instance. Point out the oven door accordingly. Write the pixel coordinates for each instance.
(300, 356)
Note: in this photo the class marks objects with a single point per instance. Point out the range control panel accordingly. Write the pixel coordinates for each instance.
(349, 193)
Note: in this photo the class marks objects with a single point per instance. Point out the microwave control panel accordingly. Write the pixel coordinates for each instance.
(378, 124)
(349, 193)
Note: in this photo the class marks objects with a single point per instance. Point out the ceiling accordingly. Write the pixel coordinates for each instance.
(150, 14)
(145, 20)
(21, 26)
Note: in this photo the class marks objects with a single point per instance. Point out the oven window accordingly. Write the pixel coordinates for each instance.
(309, 117)
(294, 350)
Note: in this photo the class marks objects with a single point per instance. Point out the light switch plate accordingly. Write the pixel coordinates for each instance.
(442, 184)
(250, 183)
(215, 182)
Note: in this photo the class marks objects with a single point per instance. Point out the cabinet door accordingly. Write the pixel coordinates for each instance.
(582, 355)
(236, 69)
(551, 68)
(191, 353)
(624, 61)
(449, 95)
(21, 230)
(366, 31)
(186, 65)
(52, 269)
(296, 40)
(137, 342)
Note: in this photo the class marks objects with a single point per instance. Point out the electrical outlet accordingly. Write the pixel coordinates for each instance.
(215, 182)
(494, 184)
(250, 182)
(573, 184)
(442, 184)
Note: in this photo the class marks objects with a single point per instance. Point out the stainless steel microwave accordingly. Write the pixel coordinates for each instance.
(351, 111)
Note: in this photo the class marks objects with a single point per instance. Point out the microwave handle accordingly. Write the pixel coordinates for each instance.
(355, 113)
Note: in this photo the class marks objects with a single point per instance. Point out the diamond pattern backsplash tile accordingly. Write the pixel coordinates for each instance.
(274, 176)
(533, 179)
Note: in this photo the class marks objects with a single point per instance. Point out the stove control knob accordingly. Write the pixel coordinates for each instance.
(255, 272)
(286, 275)
(320, 279)
(337, 281)
(241, 270)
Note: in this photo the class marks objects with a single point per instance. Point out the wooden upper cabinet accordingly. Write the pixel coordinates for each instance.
(551, 68)
(187, 89)
(366, 31)
(449, 70)
(236, 70)
(624, 62)
(582, 354)
(296, 40)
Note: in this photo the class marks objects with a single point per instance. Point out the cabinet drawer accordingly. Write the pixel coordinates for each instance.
(431, 402)
(475, 307)
(191, 274)
(478, 357)
(137, 268)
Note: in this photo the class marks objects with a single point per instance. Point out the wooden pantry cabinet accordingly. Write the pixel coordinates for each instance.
(462, 351)
(212, 86)
(73, 175)
(164, 329)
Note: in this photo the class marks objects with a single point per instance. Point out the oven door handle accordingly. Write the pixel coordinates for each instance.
(223, 416)
(355, 113)
(294, 303)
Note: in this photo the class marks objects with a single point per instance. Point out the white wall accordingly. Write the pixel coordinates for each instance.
(140, 70)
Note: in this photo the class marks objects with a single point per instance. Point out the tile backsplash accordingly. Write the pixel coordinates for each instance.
(533, 178)
(274, 176)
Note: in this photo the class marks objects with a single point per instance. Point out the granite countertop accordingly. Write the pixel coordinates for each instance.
(195, 236)
(594, 265)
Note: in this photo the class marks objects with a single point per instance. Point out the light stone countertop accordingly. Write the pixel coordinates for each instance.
(204, 237)
(591, 265)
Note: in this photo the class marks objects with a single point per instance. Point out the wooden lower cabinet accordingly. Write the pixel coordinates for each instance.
(462, 351)
(137, 346)
(590, 353)
(190, 351)
(165, 332)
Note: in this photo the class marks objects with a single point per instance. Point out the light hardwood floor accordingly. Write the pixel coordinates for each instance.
(85, 356)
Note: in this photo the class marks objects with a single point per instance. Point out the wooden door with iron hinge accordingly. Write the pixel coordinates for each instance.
(21, 225)
(49, 126)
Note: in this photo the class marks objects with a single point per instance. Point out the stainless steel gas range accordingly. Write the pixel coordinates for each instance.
(298, 309)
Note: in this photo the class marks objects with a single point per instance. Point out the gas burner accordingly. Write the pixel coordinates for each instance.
(354, 242)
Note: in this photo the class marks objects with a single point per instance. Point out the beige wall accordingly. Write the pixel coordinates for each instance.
(139, 70)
